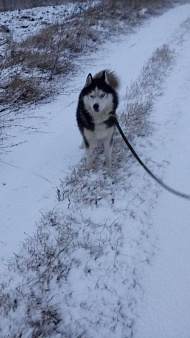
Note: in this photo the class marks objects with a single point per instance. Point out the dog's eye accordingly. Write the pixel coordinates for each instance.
(92, 96)
(102, 95)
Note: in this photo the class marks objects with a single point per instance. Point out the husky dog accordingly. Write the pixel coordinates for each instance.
(96, 110)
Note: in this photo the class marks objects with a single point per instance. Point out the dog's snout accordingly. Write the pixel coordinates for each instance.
(96, 106)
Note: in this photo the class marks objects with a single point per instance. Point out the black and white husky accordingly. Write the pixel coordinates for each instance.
(96, 109)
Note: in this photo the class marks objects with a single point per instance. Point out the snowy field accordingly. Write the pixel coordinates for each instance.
(125, 271)
(23, 23)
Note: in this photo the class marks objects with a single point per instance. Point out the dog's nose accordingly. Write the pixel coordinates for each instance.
(96, 106)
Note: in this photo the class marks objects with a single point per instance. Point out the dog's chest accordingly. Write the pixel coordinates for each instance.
(100, 132)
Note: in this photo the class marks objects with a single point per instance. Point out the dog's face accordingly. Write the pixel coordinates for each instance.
(97, 100)
(97, 96)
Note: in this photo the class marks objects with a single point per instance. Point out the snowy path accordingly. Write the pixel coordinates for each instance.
(30, 173)
(166, 307)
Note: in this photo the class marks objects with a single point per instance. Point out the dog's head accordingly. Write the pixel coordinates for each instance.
(98, 94)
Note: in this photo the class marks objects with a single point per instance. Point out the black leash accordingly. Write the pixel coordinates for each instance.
(165, 186)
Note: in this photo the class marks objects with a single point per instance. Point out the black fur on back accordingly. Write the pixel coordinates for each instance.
(84, 119)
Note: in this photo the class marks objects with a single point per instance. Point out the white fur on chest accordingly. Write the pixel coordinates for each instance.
(99, 118)
(100, 133)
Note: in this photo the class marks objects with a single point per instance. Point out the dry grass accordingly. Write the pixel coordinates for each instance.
(49, 53)
(21, 89)
(53, 50)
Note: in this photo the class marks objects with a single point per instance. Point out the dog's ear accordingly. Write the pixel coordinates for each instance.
(88, 80)
(104, 77)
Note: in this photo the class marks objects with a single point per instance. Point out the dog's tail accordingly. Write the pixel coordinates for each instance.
(111, 78)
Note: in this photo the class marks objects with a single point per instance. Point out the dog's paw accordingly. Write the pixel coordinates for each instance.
(89, 165)
(108, 163)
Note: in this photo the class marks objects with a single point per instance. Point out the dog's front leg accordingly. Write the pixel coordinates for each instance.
(89, 156)
(108, 153)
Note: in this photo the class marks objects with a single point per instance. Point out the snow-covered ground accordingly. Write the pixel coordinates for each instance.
(154, 230)
(166, 306)
(23, 23)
